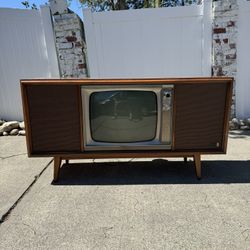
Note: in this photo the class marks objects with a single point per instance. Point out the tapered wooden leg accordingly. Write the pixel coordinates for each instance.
(67, 161)
(197, 162)
(185, 159)
(57, 165)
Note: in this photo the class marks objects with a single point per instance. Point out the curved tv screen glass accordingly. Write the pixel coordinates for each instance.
(123, 116)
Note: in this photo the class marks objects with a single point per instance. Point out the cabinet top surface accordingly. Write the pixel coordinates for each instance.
(126, 81)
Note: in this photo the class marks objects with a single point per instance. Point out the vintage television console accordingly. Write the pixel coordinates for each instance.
(126, 118)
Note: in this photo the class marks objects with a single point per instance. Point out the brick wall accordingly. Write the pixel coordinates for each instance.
(224, 40)
(70, 44)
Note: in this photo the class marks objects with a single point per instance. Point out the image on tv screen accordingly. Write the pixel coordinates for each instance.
(123, 116)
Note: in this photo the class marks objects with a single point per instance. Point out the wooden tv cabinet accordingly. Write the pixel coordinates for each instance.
(53, 118)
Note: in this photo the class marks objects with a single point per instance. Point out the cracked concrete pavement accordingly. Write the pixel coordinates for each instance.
(17, 171)
(130, 204)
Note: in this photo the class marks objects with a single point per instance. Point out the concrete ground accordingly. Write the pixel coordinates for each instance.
(131, 204)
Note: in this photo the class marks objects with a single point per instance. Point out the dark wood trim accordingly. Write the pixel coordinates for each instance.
(83, 155)
(173, 120)
(81, 118)
(227, 115)
(146, 81)
(125, 154)
(57, 165)
(26, 119)
(197, 162)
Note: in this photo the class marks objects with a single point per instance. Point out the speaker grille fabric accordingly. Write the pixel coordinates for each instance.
(199, 116)
(54, 118)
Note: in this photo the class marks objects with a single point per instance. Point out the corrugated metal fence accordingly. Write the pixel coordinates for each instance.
(27, 50)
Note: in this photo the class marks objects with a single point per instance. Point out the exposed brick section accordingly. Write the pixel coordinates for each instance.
(70, 45)
(219, 30)
(231, 56)
(224, 40)
(232, 46)
(71, 38)
(217, 71)
(82, 66)
(78, 44)
(230, 24)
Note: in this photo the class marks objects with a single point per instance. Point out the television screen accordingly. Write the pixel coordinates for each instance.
(123, 116)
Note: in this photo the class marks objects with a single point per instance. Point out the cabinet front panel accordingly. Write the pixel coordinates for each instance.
(200, 114)
(54, 118)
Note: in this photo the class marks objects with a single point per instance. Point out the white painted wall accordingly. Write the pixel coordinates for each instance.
(161, 42)
(243, 61)
(27, 50)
